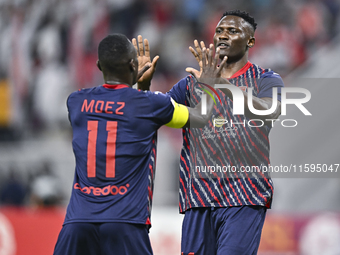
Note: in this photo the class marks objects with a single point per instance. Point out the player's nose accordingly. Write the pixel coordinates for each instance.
(223, 39)
(223, 36)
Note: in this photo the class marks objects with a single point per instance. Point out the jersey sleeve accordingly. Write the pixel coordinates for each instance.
(180, 116)
(167, 111)
(162, 107)
(178, 91)
(269, 80)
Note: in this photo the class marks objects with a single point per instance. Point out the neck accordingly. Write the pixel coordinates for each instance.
(113, 80)
(115, 83)
(232, 67)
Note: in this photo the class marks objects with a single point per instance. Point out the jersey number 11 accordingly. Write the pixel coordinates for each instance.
(111, 128)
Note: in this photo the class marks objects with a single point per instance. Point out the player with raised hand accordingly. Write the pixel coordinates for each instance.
(114, 142)
(225, 212)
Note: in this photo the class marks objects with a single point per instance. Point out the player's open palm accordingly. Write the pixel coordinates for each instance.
(211, 71)
(146, 68)
(197, 52)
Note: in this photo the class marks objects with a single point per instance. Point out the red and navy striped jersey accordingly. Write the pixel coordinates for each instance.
(114, 143)
(213, 159)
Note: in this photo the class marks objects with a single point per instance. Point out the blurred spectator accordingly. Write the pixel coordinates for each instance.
(51, 85)
(13, 191)
(277, 46)
(45, 187)
(311, 23)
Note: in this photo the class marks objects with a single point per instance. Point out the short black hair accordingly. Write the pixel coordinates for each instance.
(113, 51)
(244, 15)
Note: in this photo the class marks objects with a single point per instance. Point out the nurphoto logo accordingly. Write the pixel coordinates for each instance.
(238, 105)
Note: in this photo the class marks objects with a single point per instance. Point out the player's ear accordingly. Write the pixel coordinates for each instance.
(133, 66)
(98, 65)
(251, 42)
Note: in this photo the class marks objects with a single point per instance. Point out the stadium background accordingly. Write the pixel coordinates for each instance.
(48, 49)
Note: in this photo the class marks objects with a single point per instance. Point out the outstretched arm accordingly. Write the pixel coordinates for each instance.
(211, 74)
(143, 55)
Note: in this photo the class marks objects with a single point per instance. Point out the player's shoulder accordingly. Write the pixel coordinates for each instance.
(270, 78)
(268, 73)
(154, 102)
(265, 72)
(75, 96)
(156, 95)
(82, 91)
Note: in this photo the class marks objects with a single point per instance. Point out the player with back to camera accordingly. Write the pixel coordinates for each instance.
(225, 211)
(114, 143)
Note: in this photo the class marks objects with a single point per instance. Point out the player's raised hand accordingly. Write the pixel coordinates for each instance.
(143, 54)
(209, 76)
(197, 52)
(211, 71)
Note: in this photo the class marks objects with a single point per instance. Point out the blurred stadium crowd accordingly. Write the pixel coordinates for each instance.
(48, 48)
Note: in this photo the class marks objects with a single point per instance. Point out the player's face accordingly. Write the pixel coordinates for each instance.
(233, 36)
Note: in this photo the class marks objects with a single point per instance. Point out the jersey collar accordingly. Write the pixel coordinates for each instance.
(115, 86)
(242, 70)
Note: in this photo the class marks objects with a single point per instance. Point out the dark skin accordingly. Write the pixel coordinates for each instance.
(211, 74)
(143, 54)
(129, 71)
(234, 36)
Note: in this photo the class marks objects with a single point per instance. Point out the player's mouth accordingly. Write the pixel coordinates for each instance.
(223, 45)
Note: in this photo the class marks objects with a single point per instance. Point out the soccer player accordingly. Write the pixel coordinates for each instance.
(114, 143)
(224, 214)
(224, 205)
